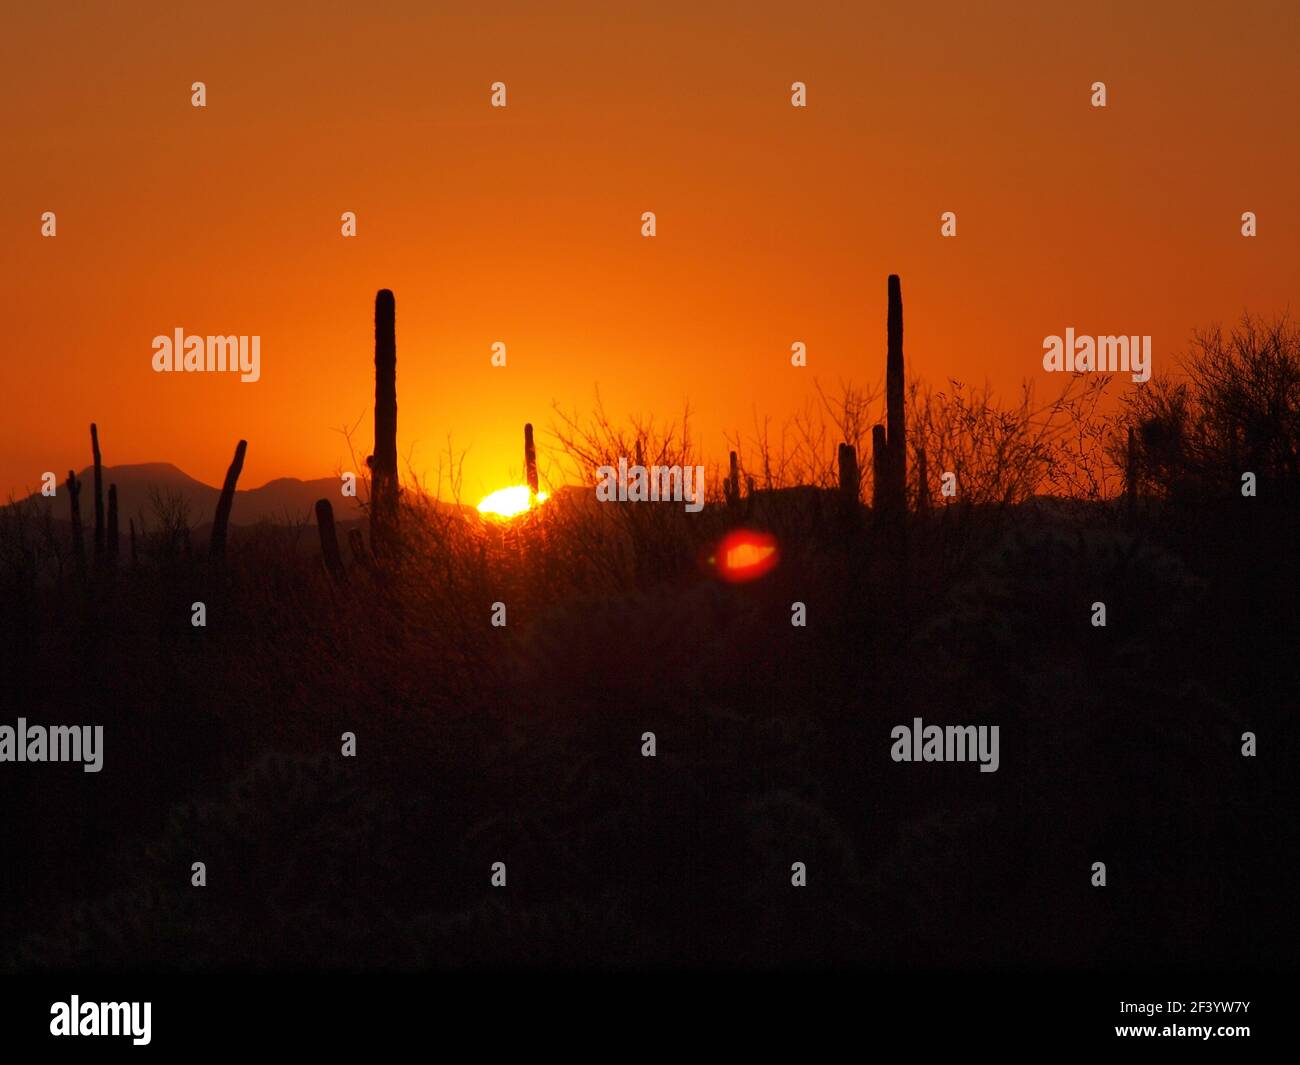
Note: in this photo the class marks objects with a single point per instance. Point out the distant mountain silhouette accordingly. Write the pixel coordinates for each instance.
(281, 500)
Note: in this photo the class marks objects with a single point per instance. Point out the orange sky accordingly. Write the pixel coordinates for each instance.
(522, 225)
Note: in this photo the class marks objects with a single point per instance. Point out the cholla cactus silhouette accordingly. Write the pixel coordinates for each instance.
(383, 463)
(99, 495)
(217, 545)
(113, 536)
(329, 539)
(74, 507)
(530, 458)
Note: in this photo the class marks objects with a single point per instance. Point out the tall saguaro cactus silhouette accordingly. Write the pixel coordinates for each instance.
(895, 414)
(383, 463)
(99, 494)
(530, 458)
(217, 545)
(889, 445)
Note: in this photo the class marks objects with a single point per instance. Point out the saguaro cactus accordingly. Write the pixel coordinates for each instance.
(731, 487)
(383, 463)
(329, 539)
(1131, 474)
(922, 484)
(530, 458)
(135, 555)
(848, 473)
(99, 495)
(357, 544)
(889, 442)
(895, 414)
(113, 540)
(217, 545)
(879, 469)
(74, 506)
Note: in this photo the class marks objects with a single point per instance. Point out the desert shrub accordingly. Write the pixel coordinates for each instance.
(1234, 408)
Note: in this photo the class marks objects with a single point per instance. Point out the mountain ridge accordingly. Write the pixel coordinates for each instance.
(277, 499)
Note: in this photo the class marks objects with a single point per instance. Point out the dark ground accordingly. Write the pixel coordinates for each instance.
(523, 744)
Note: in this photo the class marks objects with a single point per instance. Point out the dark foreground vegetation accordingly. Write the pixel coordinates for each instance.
(523, 744)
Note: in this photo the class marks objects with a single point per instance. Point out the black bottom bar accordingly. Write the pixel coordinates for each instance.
(802, 1013)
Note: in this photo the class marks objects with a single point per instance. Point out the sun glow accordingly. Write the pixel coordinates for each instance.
(506, 503)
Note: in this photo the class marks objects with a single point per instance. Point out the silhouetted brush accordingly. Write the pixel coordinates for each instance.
(383, 463)
(74, 505)
(530, 458)
(217, 545)
(113, 540)
(99, 494)
(329, 539)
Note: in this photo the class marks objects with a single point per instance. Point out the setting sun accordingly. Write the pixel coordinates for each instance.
(510, 502)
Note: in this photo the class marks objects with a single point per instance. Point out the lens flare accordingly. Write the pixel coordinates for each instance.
(744, 555)
(507, 503)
